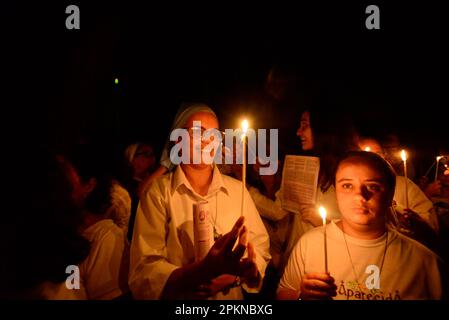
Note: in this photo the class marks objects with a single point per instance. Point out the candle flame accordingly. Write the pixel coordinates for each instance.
(322, 212)
(245, 126)
(403, 155)
(367, 149)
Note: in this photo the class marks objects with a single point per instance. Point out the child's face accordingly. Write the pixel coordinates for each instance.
(362, 194)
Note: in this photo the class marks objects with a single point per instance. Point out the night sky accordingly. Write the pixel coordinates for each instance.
(62, 81)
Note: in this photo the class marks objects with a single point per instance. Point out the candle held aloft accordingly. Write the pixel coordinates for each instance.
(323, 214)
(404, 159)
(436, 168)
(245, 126)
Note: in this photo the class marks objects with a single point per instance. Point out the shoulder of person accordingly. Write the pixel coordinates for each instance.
(401, 180)
(231, 182)
(414, 247)
(102, 229)
(312, 235)
(315, 232)
(160, 184)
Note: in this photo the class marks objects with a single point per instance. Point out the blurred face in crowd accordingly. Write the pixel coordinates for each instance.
(362, 195)
(208, 121)
(305, 132)
(144, 160)
(392, 149)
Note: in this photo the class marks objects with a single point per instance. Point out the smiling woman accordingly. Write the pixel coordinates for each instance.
(163, 264)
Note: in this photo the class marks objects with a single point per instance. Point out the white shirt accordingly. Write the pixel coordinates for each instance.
(163, 233)
(120, 209)
(289, 225)
(410, 270)
(417, 201)
(104, 272)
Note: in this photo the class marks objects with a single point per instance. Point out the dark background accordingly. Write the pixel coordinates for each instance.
(60, 83)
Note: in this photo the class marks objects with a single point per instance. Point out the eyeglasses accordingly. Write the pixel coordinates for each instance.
(195, 132)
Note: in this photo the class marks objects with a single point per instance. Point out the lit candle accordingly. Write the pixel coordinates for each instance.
(322, 212)
(367, 149)
(436, 168)
(245, 126)
(404, 158)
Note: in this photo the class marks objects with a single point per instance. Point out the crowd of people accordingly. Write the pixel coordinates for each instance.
(131, 234)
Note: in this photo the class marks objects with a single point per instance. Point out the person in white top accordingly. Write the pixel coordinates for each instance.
(103, 274)
(92, 256)
(120, 209)
(420, 220)
(366, 260)
(417, 200)
(163, 262)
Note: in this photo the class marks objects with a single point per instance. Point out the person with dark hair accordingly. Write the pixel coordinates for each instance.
(43, 236)
(104, 272)
(100, 193)
(366, 260)
(140, 163)
(419, 221)
(418, 202)
(325, 132)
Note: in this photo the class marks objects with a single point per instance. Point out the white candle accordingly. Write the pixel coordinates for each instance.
(323, 213)
(245, 126)
(404, 158)
(436, 168)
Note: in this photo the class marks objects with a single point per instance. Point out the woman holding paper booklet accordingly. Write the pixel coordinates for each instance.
(163, 263)
(324, 133)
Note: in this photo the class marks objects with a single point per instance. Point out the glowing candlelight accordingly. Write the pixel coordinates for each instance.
(245, 126)
(403, 155)
(367, 149)
(404, 158)
(436, 168)
(323, 213)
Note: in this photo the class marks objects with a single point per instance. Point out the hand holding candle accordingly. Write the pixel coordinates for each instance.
(404, 158)
(323, 214)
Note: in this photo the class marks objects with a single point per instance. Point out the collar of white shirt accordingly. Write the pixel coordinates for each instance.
(217, 184)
